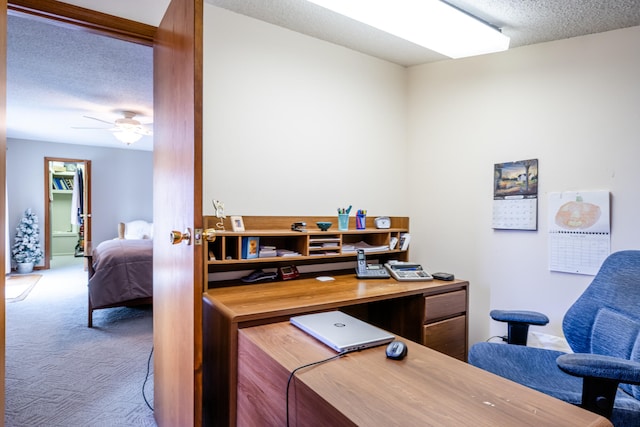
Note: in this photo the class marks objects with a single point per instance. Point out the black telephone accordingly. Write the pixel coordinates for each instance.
(371, 271)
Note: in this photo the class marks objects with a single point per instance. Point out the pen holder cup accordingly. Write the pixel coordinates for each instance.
(343, 222)
(361, 222)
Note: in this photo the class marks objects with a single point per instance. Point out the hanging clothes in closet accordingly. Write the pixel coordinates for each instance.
(77, 209)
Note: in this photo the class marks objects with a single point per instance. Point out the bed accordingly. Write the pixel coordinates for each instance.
(121, 270)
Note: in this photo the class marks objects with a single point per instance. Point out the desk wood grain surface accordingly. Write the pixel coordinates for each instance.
(258, 301)
(228, 309)
(365, 388)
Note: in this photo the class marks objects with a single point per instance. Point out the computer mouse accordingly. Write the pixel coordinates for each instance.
(396, 350)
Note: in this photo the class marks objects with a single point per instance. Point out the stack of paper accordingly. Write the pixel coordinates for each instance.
(268, 251)
(286, 253)
(352, 247)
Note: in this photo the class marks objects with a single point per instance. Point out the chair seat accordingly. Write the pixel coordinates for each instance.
(524, 365)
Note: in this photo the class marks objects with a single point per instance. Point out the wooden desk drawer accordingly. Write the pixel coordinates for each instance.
(445, 305)
(448, 337)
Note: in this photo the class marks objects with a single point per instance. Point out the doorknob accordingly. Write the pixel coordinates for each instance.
(209, 234)
(178, 237)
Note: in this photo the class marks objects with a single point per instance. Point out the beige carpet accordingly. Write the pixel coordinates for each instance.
(17, 287)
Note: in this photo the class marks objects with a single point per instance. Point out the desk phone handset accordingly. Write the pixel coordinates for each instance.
(371, 271)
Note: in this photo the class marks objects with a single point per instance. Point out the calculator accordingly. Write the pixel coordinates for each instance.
(408, 272)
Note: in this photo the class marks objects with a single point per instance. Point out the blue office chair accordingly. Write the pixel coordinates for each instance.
(603, 329)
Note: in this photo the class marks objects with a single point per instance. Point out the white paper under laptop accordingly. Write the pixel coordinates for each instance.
(340, 331)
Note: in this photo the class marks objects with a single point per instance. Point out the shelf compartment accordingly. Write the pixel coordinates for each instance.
(324, 244)
(313, 246)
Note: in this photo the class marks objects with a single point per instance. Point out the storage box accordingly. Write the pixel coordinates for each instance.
(250, 247)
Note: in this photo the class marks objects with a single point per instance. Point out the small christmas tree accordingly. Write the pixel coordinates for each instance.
(26, 245)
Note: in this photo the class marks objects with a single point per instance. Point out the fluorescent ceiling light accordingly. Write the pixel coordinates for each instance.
(429, 23)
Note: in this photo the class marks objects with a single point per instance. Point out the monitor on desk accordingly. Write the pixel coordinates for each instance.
(341, 332)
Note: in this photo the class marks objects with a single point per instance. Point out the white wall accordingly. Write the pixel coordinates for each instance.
(572, 104)
(294, 125)
(121, 183)
(297, 126)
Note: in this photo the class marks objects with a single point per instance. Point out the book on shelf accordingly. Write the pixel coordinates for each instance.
(250, 247)
(405, 238)
(60, 184)
(392, 243)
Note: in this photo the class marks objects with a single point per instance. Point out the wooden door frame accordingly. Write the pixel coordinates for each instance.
(84, 19)
(66, 15)
(79, 18)
(47, 204)
(3, 196)
(188, 17)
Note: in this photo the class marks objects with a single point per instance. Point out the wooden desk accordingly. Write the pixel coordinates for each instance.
(415, 310)
(365, 388)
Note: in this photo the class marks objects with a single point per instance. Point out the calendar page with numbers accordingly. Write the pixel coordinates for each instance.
(515, 213)
(515, 195)
(579, 231)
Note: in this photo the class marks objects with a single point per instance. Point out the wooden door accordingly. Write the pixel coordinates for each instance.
(3, 180)
(177, 205)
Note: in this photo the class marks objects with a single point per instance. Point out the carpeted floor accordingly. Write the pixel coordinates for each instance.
(61, 373)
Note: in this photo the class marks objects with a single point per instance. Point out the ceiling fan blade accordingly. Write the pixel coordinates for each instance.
(100, 120)
(83, 127)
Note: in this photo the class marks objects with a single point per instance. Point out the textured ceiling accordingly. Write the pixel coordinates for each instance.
(524, 21)
(57, 75)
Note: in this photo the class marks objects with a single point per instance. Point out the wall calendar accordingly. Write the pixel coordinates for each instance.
(515, 195)
(579, 231)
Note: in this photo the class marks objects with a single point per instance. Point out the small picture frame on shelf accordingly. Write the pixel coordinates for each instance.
(236, 223)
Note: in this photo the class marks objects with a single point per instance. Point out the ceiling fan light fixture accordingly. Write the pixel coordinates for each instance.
(433, 24)
(127, 124)
(126, 136)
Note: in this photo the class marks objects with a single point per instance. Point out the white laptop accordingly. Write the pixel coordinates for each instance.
(340, 331)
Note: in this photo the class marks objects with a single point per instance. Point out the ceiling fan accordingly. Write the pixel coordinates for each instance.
(126, 129)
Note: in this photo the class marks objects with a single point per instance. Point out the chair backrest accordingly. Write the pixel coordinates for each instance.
(605, 319)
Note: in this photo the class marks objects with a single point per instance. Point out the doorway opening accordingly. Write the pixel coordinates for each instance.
(67, 225)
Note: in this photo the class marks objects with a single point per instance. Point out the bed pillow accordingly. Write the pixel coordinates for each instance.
(134, 230)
